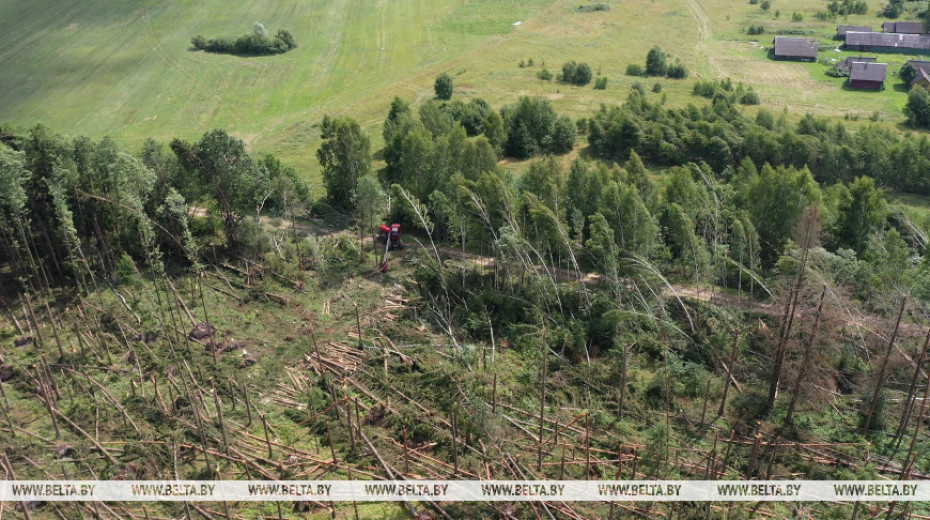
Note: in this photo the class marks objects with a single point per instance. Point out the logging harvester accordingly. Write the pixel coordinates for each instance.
(390, 238)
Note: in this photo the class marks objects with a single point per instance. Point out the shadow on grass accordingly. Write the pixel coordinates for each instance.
(848, 88)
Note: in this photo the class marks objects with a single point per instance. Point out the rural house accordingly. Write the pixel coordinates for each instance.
(919, 65)
(787, 48)
(843, 29)
(922, 79)
(903, 27)
(868, 75)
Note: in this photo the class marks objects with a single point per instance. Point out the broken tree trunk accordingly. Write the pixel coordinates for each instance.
(879, 383)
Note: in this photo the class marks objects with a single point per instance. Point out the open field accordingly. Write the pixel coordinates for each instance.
(98, 68)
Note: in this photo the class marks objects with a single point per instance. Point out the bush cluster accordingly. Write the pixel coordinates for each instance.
(794, 31)
(677, 70)
(591, 8)
(576, 73)
(893, 9)
(533, 127)
(255, 44)
(848, 7)
(725, 88)
(657, 65)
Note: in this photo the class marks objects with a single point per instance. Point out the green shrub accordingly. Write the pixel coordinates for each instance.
(544, 74)
(677, 71)
(601, 83)
(576, 73)
(750, 407)
(256, 44)
(907, 73)
(750, 97)
(657, 87)
(591, 8)
(443, 86)
(795, 31)
(656, 62)
(634, 69)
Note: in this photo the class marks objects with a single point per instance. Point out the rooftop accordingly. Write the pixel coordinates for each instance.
(795, 47)
(868, 71)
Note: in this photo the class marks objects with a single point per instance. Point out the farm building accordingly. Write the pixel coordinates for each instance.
(922, 79)
(787, 48)
(843, 29)
(868, 75)
(873, 41)
(846, 64)
(919, 64)
(903, 27)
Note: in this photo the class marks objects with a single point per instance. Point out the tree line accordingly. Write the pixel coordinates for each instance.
(720, 202)
(721, 135)
(71, 206)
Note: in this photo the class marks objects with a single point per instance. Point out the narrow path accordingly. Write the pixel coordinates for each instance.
(705, 33)
(704, 28)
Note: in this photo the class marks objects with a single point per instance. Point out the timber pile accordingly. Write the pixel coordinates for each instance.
(339, 359)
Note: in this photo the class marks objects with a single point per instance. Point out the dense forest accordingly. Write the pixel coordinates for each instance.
(698, 294)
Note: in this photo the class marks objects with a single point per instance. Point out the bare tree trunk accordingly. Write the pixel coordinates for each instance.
(909, 404)
(542, 403)
(879, 383)
(726, 382)
(804, 361)
(811, 229)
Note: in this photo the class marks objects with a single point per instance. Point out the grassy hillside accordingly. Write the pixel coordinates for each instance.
(126, 69)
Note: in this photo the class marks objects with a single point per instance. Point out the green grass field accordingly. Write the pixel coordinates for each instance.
(125, 69)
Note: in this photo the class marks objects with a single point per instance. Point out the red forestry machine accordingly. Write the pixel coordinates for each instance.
(390, 237)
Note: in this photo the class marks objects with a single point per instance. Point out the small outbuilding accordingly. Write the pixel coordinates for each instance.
(843, 29)
(922, 79)
(846, 65)
(922, 76)
(903, 27)
(787, 48)
(868, 75)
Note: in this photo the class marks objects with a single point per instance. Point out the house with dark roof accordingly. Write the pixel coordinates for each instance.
(845, 65)
(843, 29)
(903, 27)
(922, 78)
(787, 48)
(873, 41)
(868, 75)
(919, 64)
